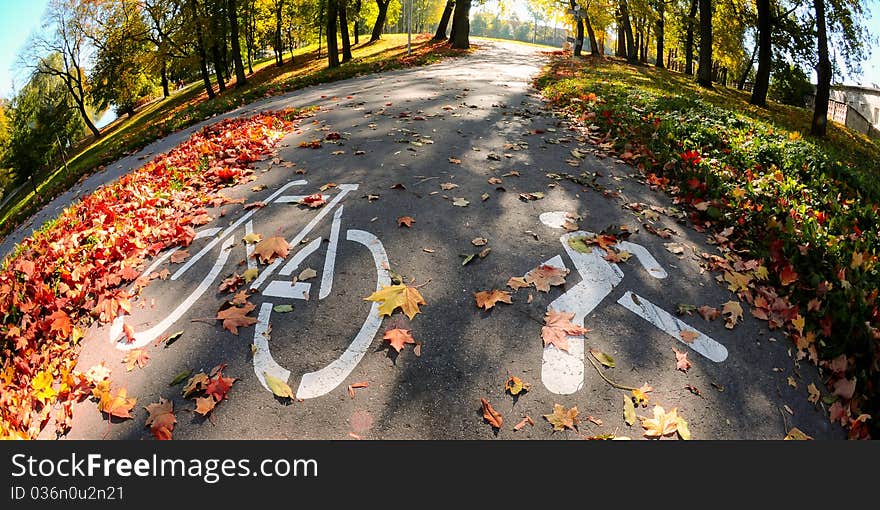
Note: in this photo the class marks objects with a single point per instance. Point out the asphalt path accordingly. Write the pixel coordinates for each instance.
(403, 134)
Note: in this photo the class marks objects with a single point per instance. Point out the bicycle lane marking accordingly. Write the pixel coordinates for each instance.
(325, 380)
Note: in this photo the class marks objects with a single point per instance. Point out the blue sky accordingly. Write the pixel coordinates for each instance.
(19, 18)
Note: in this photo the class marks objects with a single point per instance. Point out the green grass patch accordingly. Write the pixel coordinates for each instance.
(795, 202)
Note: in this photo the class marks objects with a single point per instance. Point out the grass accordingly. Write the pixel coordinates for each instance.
(191, 105)
(805, 208)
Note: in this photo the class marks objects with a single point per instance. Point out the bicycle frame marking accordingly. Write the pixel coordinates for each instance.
(562, 372)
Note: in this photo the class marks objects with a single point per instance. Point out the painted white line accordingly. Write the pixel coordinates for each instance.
(344, 189)
(645, 258)
(204, 251)
(321, 382)
(249, 248)
(288, 290)
(554, 219)
(664, 321)
(330, 260)
(295, 199)
(144, 337)
(295, 261)
(263, 361)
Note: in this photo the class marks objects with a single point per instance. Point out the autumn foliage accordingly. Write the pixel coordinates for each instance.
(71, 273)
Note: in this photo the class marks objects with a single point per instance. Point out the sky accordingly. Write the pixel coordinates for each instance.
(19, 18)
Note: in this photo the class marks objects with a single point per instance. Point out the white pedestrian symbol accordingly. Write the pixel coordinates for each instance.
(312, 384)
(563, 372)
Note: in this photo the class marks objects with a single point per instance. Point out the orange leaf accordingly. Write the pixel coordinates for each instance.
(137, 357)
(688, 335)
(398, 338)
(492, 416)
(218, 386)
(161, 419)
(544, 276)
(787, 276)
(235, 317)
(488, 298)
(61, 324)
(118, 405)
(267, 249)
(662, 424)
(562, 419)
(179, 256)
(558, 327)
(405, 221)
(205, 405)
(681, 360)
(353, 386)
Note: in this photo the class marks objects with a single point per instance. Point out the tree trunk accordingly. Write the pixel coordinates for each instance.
(357, 21)
(704, 79)
(440, 35)
(218, 66)
(745, 75)
(620, 50)
(232, 10)
(689, 41)
(765, 54)
(594, 46)
(332, 44)
(823, 73)
(200, 49)
(380, 20)
(343, 27)
(277, 45)
(164, 73)
(632, 54)
(249, 35)
(579, 38)
(462, 24)
(661, 22)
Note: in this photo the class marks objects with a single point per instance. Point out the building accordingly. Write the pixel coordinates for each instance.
(856, 107)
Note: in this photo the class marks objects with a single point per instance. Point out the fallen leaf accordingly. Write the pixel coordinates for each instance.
(460, 202)
(235, 317)
(523, 423)
(405, 221)
(406, 298)
(491, 416)
(173, 338)
(278, 387)
(488, 298)
(517, 282)
(195, 384)
(205, 405)
(688, 335)
(282, 308)
(118, 405)
(479, 241)
(137, 357)
(161, 419)
(398, 338)
(542, 277)
(694, 390)
(218, 386)
(629, 410)
(446, 186)
(252, 238)
(558, 327)
(662, 424)
(792, 382)
(681, 426)
(640, 395)
(675, 248)
(179, 256)
(681, 360)
(179, 378)
(267, 249)
(354, 386)
(306, 274)
(734, 313)
(709, 313)
(815, 394)
(515, 386)
(796, 434)
(316, 200)
(561, 418)
(603, 358)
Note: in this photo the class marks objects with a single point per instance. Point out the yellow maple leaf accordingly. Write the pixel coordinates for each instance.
(42, 386)
(562, 418)
(400, 296)
(662, 424)
(737, 281)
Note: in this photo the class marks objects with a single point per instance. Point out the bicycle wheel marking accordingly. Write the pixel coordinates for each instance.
(210, 246)
(664, 321)
(248, 247)
(301, 255)
(144, 337)
(325, 380)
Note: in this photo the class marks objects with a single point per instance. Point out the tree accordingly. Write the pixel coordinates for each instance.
(789, 84)
(196, 22)
(689, 39)
(277, 43)
(232, 11)
(823, 72)
(380, 19)
(166, 29)
(332, 44)
(343, 27)
(631, 49)
(440, 35)
(45, 121)
(64, 34)
(704, 75)
(461, 25)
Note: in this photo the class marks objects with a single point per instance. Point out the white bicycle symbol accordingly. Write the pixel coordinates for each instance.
(563, 372)
(312, 384)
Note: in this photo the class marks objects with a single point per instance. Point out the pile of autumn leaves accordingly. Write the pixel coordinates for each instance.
(557, 330)
(71, 273)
